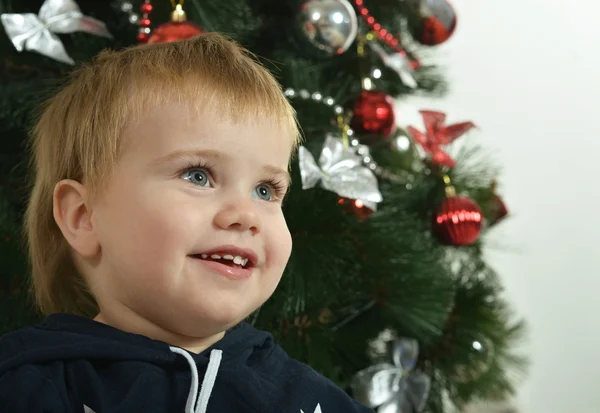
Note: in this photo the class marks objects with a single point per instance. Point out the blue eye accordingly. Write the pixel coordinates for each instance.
(196, 176)
(263, 192)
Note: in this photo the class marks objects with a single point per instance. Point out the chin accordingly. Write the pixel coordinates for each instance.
(214, 320)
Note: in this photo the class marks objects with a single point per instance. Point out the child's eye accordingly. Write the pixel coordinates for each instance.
(263, 192)
(197, 176)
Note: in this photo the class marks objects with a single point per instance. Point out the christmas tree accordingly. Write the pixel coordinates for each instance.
(387, 291)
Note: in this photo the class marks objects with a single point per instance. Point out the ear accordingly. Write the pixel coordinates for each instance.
(73, 216)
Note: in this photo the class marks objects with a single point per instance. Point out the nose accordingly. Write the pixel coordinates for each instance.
(240, 215)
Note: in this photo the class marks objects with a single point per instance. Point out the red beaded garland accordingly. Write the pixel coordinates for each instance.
(382, 33)
(145, 22)
(146, 8)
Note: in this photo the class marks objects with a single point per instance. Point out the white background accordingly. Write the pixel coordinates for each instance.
(526, 71)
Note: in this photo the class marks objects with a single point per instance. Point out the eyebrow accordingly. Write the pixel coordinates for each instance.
(186, 154)
(212, 154)
(275, 170)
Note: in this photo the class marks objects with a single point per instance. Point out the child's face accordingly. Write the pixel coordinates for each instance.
(158, 211)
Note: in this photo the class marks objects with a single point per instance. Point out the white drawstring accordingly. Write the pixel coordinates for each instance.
(209, 380)
(207, 384)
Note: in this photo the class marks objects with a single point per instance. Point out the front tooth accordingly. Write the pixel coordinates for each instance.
(204, 256)
(244, 262)
(238, 260)
(215, 257)
(228, 257)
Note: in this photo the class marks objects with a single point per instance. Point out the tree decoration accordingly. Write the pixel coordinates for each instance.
(37, 33)
(438, 134)
(398, 62)
(457, 220)
(144, 22)
(330, 25)
(382, 33)
(434, 22)
(394, 387)
(481, 354)
(178, 28)
(358, 207)
(134, 17)
(405, 152)
(373, 114)
(317, 96)
(339, 170)
(402, 141)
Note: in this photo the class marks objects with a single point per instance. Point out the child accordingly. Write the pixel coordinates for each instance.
(154, 228)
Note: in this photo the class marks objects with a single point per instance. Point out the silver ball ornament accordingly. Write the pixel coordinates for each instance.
(406, 153)
(330, 25)
(481, 354)
(401, 142)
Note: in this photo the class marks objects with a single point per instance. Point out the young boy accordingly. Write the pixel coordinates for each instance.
(154, 228)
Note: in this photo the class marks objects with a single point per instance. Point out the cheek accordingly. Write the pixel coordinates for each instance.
(147, 224)
(279, 245)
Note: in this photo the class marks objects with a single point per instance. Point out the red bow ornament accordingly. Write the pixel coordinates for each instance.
(438, 134)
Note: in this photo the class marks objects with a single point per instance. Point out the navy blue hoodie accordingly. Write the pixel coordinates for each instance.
(71, 364)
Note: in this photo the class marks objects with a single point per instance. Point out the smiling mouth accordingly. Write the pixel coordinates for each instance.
(233, 261)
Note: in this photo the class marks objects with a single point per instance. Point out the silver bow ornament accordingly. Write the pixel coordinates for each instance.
(399, 63)
(394, 388)
(36, 32)
(341, 171)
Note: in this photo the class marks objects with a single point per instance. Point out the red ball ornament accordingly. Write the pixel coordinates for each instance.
(435, 22)
(458, 221)
(172, 31)
(373, 114)
(356, 207)
(177, 29)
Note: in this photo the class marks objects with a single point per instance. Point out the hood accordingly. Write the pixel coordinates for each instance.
(64, 337)
(67, 336)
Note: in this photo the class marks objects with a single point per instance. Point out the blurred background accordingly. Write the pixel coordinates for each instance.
(526, 71)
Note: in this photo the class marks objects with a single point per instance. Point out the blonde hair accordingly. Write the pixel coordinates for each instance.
(78, 135)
